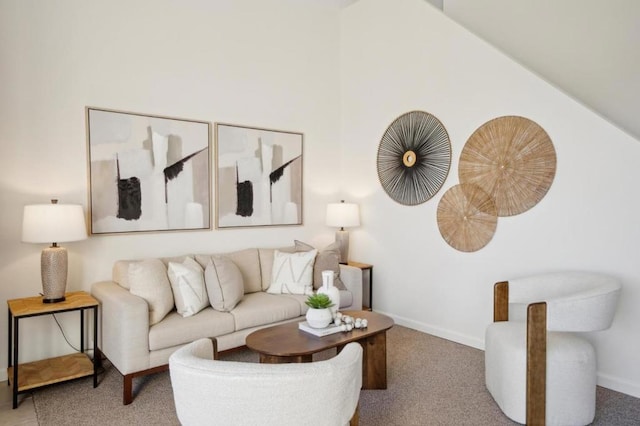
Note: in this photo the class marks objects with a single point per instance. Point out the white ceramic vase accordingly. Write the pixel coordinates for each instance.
(330, 290)
(319, 318)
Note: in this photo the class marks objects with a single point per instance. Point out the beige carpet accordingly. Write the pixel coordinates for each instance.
(431, 381)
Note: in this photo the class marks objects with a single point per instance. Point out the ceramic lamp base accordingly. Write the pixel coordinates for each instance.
(53, 267)
(342, 238)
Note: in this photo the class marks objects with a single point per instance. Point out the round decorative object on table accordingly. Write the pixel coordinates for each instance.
(467, 217)
(319, 318)
(513, 160)
(414, 157)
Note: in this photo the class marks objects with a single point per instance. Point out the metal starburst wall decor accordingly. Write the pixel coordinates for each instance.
(414, 157)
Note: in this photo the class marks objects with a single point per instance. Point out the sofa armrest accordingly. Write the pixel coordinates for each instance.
(352, 279)
(124, 326)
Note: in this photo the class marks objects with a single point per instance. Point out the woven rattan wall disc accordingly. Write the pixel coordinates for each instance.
(414, 157)
(467, 217)
(513, 160)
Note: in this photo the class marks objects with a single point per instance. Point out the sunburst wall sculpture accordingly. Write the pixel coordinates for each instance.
(513, 160)
(506, 167)
(467, 217)
(414, 157)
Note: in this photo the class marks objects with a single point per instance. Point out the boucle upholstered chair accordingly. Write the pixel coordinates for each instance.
(207, 391)
(536, 368)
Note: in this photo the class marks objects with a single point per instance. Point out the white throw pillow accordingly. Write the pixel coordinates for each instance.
(224, 283)
(148, 279)
(292, 273)
(187, 282)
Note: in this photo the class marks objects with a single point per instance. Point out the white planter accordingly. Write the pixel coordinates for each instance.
(319, 318)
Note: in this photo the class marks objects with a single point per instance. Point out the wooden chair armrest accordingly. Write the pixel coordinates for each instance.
(501, 301)
(536, 350)
(536, 363)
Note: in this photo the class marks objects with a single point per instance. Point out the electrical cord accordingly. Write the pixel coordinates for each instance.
(65, 336)
(69, 343)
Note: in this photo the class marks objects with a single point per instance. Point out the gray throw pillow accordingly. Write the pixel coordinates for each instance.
(327, 259)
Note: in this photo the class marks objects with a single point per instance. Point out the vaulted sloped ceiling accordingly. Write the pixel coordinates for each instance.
(589, 49)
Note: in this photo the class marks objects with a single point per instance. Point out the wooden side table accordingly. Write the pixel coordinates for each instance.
(24, 377)
(367, 286)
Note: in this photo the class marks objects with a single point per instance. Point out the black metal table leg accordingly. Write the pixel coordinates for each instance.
(96, 351)
(15, 366)
(9, 341)
(82, 330)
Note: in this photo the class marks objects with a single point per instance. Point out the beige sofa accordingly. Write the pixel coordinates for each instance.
(135, 348)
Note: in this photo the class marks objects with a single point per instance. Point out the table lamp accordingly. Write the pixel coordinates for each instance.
(53, 223)
(343, 215)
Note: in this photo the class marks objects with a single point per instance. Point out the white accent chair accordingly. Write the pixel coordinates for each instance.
(537, 370)
(207, 391)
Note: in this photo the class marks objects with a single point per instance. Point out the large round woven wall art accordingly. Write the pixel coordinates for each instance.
(414, 157)
(513, 160)
(467, 217)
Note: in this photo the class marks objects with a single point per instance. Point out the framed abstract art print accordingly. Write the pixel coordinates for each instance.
(147, 173)
(258, 176)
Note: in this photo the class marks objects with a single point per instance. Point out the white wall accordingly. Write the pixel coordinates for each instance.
(406, 55)
(588, 48)
(268, 64)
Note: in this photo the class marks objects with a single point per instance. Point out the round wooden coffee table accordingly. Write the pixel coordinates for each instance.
(287, 343)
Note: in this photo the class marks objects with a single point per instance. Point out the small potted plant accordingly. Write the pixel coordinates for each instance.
(319, 314)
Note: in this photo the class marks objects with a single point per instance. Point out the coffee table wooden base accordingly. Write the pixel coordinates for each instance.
(270, 359)
(374, 361)
(373, 341)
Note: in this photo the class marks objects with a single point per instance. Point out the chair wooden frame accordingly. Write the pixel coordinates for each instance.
(536, 350)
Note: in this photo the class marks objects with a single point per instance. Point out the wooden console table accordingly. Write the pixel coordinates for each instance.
(25, 377)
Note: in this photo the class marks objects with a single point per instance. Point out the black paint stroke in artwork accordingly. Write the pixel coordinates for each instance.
(245, 198)
(244, 193)
(275, 175)
(173, 171)
(129, 197)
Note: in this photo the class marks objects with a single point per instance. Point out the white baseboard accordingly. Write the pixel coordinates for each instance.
(619, 385)
(610, 382)
(3, 376)
(437, 331)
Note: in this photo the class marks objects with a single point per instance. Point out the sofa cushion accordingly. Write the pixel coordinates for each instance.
(148, 280)
(175, 330)
(249, 264)
(328, 259)
(346, 298)
(262, 308)
(224, 283)
(187, 283)
(292, 273)
(300, 299)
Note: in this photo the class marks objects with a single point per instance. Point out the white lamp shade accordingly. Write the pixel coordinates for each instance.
(343, 215)
(53, 223)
